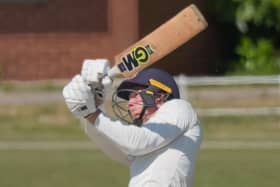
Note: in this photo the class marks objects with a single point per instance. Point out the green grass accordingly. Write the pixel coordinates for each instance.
(60, 169)
(228, 168)
(265, 127)
(215, 168)
(39, 122)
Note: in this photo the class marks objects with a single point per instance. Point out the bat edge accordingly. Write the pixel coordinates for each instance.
(199, 14)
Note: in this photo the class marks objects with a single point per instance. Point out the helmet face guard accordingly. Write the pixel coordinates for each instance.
(120, 105)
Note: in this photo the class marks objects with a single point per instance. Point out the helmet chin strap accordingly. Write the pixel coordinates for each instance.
(139, 121)
(148, 101)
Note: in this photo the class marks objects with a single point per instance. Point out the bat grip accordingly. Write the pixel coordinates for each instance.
(98, 87)
(114, 72)
(97, 90)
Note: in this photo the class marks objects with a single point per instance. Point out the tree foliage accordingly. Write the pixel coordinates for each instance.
(258, 25)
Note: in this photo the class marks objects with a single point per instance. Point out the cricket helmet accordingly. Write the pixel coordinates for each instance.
(155, 82)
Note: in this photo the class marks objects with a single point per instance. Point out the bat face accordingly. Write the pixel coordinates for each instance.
(136, 57)
(162, 41)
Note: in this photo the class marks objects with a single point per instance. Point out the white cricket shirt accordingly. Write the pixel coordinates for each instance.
(160, 153)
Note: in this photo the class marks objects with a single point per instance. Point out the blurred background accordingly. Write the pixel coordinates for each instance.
(230, 73)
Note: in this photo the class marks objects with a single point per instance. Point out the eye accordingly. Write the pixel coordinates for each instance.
(133, 94)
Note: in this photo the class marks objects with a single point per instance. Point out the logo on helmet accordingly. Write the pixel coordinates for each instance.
(138, 55)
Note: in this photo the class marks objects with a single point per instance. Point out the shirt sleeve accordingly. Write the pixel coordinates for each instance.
(172, 120)
(107, 146)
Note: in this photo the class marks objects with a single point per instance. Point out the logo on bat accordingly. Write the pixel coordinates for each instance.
(138, 55)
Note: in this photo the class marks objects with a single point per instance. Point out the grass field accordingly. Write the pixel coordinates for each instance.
(216, 167)
(242, 168)
(59, 169)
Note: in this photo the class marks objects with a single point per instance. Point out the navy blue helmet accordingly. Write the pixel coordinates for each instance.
(155, 79)
(153, 83)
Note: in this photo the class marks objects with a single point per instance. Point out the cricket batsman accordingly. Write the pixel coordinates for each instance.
(157, 134)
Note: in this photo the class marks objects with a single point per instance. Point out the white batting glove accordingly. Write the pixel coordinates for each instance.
(79, 98)
(93, 71)
(94, 74)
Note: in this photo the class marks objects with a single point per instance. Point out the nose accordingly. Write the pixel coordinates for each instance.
(131, 101)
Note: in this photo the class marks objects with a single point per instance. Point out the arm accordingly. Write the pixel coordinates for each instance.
(103, 143)
(81, 102)
(160, 130)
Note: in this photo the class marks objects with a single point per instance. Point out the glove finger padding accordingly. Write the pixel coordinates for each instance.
(79, 98)
(94, 70)
(94, 74)
(101, 88)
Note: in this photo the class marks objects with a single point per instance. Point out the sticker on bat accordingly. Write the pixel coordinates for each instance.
(138, 55)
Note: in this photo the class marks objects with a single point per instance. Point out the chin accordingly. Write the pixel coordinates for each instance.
(135, 116)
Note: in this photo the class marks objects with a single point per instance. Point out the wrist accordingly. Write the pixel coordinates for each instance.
(92, 116)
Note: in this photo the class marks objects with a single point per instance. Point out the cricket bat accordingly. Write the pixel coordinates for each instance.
(159, 43)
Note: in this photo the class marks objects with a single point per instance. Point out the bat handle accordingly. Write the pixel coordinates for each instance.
(98, 87)
(97, 90)
(114, 72)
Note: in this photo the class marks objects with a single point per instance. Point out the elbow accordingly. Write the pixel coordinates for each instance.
(133, 149)
(142, 147)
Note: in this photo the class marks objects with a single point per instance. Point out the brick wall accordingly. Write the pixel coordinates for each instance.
(51, 39)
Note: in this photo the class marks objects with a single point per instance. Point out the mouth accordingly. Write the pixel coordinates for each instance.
(135, 109)
(134, 113)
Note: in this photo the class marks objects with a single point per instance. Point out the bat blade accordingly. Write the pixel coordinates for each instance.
(162, 41)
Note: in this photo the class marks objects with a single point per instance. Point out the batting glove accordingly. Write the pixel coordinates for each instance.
(94, 74)
(79, 98)
(94, 71)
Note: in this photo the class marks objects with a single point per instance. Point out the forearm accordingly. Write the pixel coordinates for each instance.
(131, 139)
(106, 145)
(134, 140)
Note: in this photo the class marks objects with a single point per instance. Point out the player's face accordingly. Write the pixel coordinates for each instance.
(135, 103)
